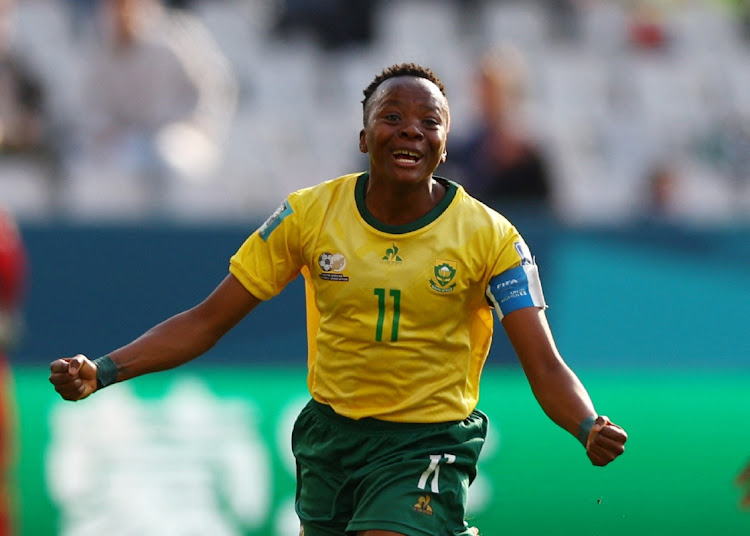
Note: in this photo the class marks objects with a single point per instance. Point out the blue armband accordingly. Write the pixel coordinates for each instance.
(516, 288)
(584, 429)
(106, 371)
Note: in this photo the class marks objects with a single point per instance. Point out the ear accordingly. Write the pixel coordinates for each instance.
(362, 141)
(444, 157)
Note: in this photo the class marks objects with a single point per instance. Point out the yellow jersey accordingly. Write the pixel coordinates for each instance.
(399, 318)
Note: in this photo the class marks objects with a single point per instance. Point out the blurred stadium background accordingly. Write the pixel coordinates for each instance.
(649, 287)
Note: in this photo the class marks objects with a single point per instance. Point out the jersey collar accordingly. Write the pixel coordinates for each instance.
(432, 215)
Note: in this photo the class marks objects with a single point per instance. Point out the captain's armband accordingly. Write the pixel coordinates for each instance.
(514, 289)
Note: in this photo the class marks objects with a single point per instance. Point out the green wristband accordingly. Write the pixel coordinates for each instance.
(585, 428)
(106, 371)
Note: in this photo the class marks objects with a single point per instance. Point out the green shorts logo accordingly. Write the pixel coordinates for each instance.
(423, 505)
(444, 272)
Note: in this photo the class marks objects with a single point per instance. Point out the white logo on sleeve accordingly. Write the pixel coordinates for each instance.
(524, 253)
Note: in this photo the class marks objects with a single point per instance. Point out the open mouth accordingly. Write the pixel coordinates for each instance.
(404, 156)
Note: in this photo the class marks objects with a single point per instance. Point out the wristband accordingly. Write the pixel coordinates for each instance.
(106, 371)
(584, 429)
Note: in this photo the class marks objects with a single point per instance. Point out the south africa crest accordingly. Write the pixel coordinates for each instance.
(444, 273)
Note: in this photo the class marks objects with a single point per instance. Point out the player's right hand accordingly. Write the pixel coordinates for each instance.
(74, 378)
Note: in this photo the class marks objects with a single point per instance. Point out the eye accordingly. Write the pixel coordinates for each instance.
(432, 123)
(392, 117)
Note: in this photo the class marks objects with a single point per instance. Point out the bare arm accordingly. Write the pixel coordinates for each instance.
(186, 335)
(558, 390)
(169, 344)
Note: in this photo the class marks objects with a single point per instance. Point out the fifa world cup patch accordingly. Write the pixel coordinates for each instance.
(443, 275)
(332, 264)
(274, 220)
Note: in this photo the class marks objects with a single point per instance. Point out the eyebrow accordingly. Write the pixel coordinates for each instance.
(398, 102)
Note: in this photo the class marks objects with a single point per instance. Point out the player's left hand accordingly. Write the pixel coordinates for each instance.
(606, 441)
(743, 481)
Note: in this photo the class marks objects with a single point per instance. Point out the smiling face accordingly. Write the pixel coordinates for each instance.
(406, 127)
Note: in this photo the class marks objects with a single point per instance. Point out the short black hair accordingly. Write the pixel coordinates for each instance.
(400, 69)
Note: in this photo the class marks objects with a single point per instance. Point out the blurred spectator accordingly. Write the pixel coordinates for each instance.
(499, 161)
(662, 185)
(158, 99)
(12, 275)
(27, 152)
(22, 99)
(647, 29)
(662, 191)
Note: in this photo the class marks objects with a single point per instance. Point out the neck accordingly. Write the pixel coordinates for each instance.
(401, 204)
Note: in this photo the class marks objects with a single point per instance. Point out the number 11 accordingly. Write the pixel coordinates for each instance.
(396, 295)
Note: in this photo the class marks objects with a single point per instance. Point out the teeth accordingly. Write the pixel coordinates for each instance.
(407, 153)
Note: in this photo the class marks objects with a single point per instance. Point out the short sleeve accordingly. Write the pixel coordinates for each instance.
(270, 258)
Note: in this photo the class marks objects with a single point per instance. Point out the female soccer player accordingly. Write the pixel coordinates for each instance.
(403, 270)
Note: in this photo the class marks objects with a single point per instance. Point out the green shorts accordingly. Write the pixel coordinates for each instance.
(355, 475)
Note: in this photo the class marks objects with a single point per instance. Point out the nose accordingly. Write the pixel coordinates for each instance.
(411, 130)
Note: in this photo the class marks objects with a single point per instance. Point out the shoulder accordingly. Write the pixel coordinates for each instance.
(471, 209)
(324, 192)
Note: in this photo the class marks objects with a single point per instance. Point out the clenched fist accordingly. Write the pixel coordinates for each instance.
(74, 378)
(606, 441)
